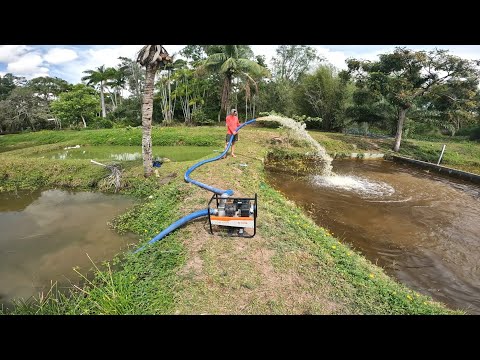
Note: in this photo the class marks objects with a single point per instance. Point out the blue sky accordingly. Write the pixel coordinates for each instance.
(68, 61)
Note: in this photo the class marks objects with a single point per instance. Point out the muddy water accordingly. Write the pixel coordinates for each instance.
(44, 234)
(422, 228)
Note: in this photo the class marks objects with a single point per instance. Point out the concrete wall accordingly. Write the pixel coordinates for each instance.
(358, 155)
(439, 168)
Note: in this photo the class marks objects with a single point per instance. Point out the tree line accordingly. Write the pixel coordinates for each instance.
(403, 92)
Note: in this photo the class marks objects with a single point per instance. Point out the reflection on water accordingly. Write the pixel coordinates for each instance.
(423, 228)
(45, 234)
(129, 153)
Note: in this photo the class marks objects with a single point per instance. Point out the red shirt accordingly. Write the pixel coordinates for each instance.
(232, 124)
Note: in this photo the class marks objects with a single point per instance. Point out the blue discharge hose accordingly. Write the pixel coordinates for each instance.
(207, 187)
(198, 213)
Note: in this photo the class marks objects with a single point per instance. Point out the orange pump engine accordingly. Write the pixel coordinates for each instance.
(239, 213)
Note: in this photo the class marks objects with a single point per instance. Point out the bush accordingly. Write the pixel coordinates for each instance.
(475, 134)
(310, 121)
(200, 118)
(468, 131)
(422, 129)
(101, 123)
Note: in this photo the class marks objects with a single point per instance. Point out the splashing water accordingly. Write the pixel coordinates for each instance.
(299, 130)
(366, 188)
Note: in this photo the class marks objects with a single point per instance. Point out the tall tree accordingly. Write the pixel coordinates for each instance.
(324, 94)
(454, 104)
(48, 88)
(194, 52)
(117, 81)
(164, 85)
(99, 76)
(78, 105)
(9, 82)
(26, 109)
(292, 61)
(152, 57)
(228, 62)
(135, 76)
(372, 108)
(404, 76)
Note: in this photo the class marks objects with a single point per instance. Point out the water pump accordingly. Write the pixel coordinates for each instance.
(235, 214)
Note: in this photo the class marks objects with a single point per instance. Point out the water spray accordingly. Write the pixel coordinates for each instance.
(299, 129)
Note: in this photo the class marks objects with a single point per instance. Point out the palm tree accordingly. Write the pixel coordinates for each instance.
(152, 57)
(117, 82)
(229, 63)
(99, 76)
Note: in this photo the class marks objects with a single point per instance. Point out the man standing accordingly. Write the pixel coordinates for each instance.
(232, 124)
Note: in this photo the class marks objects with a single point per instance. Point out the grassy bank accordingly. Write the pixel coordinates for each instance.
(459, 154)
(292, 266)
(161, 136)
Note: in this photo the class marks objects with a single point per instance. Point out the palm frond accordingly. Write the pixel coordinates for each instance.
(229, 66)
(250, 80)
(231, 51)
(215, 59)
(252, 67)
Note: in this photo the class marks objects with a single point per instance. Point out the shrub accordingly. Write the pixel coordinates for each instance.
(475, 134)
(101, 123)
(200, 118)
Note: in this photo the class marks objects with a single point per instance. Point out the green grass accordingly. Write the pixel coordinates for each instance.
(292, 266)
(161, 136)
(459, 153)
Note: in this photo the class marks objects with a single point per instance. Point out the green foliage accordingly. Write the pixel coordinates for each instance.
(292, 61)
(101, 123)
(207, 136)
(22, 111)
(311, 122)
(72, 106)
(324, 95)
(7, 83)
(414, 129)
(406, 78)
(200, 118)
(278, 95)
(475, 134)
(232, 61)
(134, 77)
(127, 113)
(369, 107)
(48, 88)
(465, 131)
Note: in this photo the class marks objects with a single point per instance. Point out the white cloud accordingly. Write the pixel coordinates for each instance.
(29, 65)
(93, 57)
(336, 58)
(59, 55)
(98, 55)
(69, 62)
(12, 52)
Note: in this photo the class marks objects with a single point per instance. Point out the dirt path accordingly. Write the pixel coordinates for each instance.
(233, 275)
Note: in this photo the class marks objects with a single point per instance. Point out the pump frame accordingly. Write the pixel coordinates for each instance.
(255, 202)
